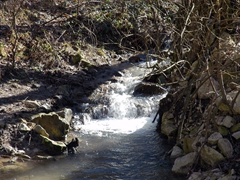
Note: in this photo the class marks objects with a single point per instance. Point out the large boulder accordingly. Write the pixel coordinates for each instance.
(211, 156)
(54, 147)
(56, 126)
(183, 164)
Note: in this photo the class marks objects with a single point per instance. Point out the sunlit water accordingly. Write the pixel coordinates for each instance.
(122, 145)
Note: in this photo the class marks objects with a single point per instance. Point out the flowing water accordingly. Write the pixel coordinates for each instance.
(118, 138)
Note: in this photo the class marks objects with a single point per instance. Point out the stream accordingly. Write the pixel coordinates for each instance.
(117, 137)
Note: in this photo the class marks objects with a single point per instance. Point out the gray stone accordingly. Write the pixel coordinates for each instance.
(54, 147)
(226, 121)
(176, 152)
(214, 137)
(169, 129)
(182, 165)
(211, 156)
(54, 125)
(235, 127)
(23, 127)
(236, 135)
(230, 96)
(66, 113)
(226, 147)
(205, 91)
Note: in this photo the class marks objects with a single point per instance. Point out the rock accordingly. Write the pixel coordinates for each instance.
(223, 130)
(40, 130)
(2, 124)
(176, 152)
(236, 135)
(54, 147)
(230, 96)
(63, 90)
(147, 88)
(214, 137)
(182, 165)
(211, 156)
(195, 176)
(23, 127)
(169, 129)
(187, 144)
(235, 127)
(225, 147)
(196, 145)
(32, 104)
(66, 113)
(206, 91)
(54, 125)
(226, 121)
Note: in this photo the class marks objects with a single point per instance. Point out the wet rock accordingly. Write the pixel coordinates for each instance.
(176, 152)
(214, 137)
(236, 135)
(225, 147)
(40, 130)
(54, 125)
(183, 164)
(211, 156)
(54, 147)
(206, 90)
(146, 88)
(134, 59)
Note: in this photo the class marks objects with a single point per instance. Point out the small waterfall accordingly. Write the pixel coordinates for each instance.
(116, 109)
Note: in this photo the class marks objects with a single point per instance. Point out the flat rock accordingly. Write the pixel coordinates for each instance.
(176, 152)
